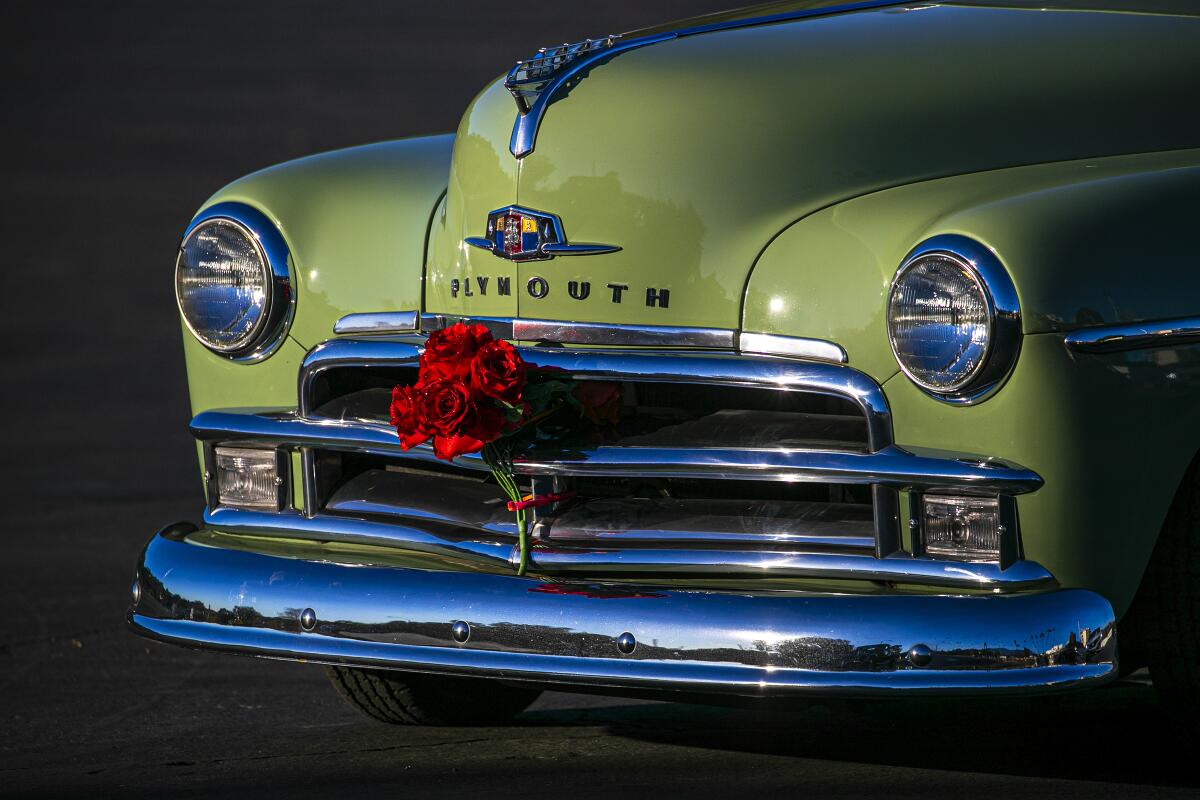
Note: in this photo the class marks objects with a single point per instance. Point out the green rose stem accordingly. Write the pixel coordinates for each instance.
(502, 471)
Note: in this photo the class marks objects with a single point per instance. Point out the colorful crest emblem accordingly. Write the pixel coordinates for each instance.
(521, 234)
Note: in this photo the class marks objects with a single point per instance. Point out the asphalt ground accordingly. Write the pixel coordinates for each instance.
(118, 120)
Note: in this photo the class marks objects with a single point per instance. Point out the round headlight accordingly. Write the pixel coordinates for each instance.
(233, 291)
(953, 318)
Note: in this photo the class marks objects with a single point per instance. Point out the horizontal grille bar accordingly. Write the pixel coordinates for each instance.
(892, 466)
(500, 552)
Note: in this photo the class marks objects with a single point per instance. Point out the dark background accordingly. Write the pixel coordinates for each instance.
(119, 119)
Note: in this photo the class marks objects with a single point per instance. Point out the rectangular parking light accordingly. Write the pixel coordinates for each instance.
(961, 528)
(248, 478)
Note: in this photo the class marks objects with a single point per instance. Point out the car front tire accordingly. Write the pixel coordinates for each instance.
(1162, 627)
(406, 698)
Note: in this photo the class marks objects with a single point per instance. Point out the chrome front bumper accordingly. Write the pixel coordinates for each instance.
(192, 593)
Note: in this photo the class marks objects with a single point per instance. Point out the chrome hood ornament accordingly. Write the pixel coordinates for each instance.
(527, 79)
(522, 234)
(535, 81)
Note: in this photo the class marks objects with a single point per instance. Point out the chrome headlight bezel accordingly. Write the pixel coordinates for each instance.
(279, 300)
(999, 293)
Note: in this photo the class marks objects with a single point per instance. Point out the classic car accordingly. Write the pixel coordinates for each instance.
(899, 301)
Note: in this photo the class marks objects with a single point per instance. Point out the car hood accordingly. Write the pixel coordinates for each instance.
(693, 153)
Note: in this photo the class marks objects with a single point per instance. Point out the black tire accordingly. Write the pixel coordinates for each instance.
(407, 698)
(1162, 629)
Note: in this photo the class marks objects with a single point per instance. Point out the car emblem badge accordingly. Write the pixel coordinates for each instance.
(521, 234)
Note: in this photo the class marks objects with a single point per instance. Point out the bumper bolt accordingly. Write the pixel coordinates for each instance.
(920, 655)
(135, 591)
(626, 643)
(461, 631)
(308, 619)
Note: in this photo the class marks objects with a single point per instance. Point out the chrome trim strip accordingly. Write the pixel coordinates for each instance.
(455, 545)
(580, 249)
(281, 301)
(763, 643)
(591, 333)
(1004, 315)
(378, 322)
(555, 331)
(1135, 336)
(525, 128)
(481, 242)
(775, 345)
(835, 380)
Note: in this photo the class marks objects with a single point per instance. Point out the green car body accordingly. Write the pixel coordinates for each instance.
(772, 176)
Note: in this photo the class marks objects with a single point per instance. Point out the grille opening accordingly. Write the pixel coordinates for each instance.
(360, 393)
(708, 513)
(634, 512)
(652, 488)
(433, 493)
(664, 415)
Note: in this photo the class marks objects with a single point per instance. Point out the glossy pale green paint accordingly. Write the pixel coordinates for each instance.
(355, 221)
(483, 177)
(297, 481)
(216, 382)
(692, 154)
(1080, 240)
(1087, 242)
(698, 157)
(1110, 435)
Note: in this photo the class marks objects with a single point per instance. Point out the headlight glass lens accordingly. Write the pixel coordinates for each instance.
(223, 284)
(939, 322)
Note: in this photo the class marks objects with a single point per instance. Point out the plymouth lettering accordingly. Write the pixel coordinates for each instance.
(538, 287)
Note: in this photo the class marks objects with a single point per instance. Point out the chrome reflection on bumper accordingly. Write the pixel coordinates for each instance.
(609, 635)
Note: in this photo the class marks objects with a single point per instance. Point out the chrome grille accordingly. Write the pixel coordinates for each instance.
(734, 466)
(624, 493)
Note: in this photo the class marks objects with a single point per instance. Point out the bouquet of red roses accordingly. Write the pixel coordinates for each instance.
(473, 395)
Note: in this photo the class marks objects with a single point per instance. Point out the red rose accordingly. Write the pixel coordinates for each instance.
(444, 405)
(405, 417)
(601, 400)
(485, 425)
(499, 371)
(448, 352)
(459, 425)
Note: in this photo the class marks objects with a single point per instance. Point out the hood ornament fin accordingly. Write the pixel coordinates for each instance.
(529, 78)
(534, 82)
